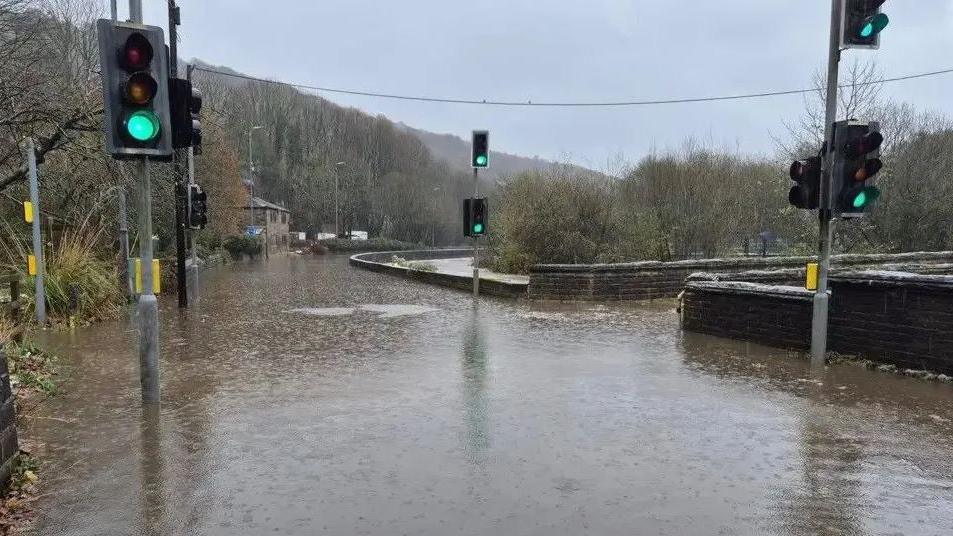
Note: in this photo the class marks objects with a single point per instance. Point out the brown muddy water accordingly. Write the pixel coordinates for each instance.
(304, 396)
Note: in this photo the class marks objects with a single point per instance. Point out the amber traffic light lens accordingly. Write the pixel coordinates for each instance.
(140, 89)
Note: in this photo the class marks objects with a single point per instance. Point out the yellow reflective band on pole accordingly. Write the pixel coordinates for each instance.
(156, 277)
(811, 282)
(31, 264)
(28, 211)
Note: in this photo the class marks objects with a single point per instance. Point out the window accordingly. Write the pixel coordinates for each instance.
(284, 217)
(274, 217)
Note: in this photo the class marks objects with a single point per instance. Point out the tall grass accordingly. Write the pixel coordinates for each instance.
(73, 259)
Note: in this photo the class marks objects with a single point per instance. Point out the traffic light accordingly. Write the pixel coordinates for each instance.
(185, 103)
(479, 224)
(475, 217)
(861, 23)
(480, 157)
(856, 161)
(807, 174)
(198, 207)
(135, 90)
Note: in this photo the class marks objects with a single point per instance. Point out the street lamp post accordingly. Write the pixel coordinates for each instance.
(337, 216)
(251, 178)
(433, 217)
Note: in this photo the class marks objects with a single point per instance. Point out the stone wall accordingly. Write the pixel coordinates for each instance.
(653, 280)
(377, 262)
(893, 317)
(8, 429)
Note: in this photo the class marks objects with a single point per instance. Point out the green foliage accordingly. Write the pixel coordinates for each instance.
(342, 245)
(72, 261)
(694, 203)
(31, 368)
(241, 244)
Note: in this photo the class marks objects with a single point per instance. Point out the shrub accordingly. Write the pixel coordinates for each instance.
(343, 245)
(71, 262)
(238, 245)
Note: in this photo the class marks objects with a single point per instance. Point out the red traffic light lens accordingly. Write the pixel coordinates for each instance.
(867, 144)
(140, 89)
(137, 53)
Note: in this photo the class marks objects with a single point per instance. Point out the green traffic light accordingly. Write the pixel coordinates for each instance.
(874, 25)
(481, 160)
(865, 197)
(142, 125)
(478, 228)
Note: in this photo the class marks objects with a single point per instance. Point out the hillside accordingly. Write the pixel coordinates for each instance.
(456, 151)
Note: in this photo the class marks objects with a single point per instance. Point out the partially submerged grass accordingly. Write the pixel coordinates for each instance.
(420, 266)
(31, 368)
(73, 261)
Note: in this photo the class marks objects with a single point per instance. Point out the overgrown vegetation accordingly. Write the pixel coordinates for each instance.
(343, 245)
(31, 368)
(236, 246)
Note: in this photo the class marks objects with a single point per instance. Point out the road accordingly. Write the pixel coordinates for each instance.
(309, 397)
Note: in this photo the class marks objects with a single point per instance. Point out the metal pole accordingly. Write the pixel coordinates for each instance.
(113, 11)
(37, 240)
(191, 170)
(124, 242)
(182, 289)
(476, 248)
(194, 268)
(251, 182)
(825, 235)
(337, 217)
(148, 307)
(135, 11)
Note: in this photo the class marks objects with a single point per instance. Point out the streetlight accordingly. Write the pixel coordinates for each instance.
(251, 178)
(433, 217)
(337, 230)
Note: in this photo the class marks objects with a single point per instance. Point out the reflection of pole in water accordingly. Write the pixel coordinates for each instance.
(474, 389)
(829, 499)
(151, 481)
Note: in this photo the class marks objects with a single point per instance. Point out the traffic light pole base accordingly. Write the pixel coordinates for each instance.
(148, 311)
(819, 329)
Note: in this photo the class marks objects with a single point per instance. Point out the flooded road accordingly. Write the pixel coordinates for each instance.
(308, 397)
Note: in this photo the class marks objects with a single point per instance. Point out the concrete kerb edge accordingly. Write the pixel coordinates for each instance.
(373, 261)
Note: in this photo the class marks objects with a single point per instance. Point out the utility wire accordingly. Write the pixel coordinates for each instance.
(570, 104)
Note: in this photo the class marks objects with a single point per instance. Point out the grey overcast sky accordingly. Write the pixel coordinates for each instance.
(582, 50)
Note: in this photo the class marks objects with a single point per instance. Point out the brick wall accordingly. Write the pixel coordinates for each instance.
(8, 429)
(898, 318)
(653, 280)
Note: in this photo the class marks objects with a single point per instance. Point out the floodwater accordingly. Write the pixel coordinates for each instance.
(308, 397)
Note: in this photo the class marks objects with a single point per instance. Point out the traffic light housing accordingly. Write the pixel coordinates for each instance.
(856, 161)
(135, 68)
(806, 194)
(185, 104)
(861, 23)
(198, 207)
(475, 217)
(480, 153)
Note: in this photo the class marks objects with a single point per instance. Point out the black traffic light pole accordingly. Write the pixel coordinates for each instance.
(178, 171)
(476, 238)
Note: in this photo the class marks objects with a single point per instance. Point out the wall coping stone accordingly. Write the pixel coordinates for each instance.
(739, 262)
(741, 287)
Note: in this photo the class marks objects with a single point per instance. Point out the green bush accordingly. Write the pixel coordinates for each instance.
(238, 245)
(342, 245)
